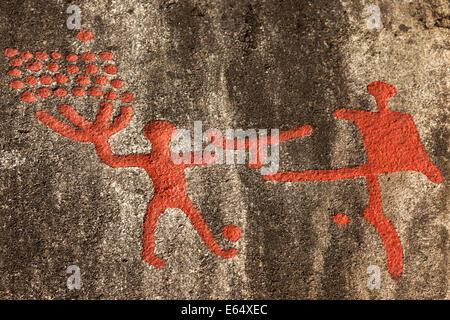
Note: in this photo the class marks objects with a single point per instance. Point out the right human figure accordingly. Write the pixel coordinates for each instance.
(392, 144)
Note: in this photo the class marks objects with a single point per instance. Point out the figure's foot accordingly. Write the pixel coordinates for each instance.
(232, 233)
(154, 261)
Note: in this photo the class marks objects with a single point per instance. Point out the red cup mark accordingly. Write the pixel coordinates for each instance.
(126, 97)
(232, 233)
(16, 84)
(44, 92)
(9, 52)
(41, 55)
(88, 56)
(78, 92)
(32, 80)
(61, 78)
(26, 55)
(52, 67)
(46, 79)
(91, 69)
(101, 80)
(110, 69)
(105, 55)
(56, 55)
(85, 35)
(60, 92)
(110, 95)
(72, 57)
(34, 65)
(95, 91)
(116, 83)
(72, 69)
(28, 96)
(83, 80)
(16, 62)
(14, 72)
(340, 219)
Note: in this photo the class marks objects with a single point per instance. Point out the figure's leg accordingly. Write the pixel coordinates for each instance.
(154, 210)
(204, 231)
(374, 214)
(319, 175)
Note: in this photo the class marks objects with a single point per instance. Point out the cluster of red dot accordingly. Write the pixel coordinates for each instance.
(18, 60)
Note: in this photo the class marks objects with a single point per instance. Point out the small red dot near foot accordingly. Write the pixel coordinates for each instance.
(28, 96)
(232, 233)
(340, 219)
(85, 35)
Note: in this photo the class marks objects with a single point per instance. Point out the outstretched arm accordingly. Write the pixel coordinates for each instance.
(97, 132)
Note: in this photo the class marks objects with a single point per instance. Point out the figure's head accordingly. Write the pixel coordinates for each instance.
(159, 132)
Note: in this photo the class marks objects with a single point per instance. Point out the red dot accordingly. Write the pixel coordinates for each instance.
(101, 80)
(105, 55)
(44, 92)
(95, 92)
(16, 84)
(72, 57)
(60, 92)
(72, 69)
(34, 66)
(110, 69)
(110, 95)
(52, 67)
(14, 72)
(16, 62)
(116, 83)
(56, 55)
(26, 55)
(91, 69)
(46, 79)
(88, 56)
(232, 233)
(340, 219)
(61, 78)
(85, 35)
(32, 81)
(41, 55)
(78, 92)
(9, 52)
(28, 96)
(83, 80)
(126, 97)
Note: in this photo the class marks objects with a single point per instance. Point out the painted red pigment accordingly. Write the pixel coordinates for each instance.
(231, 233)
(95, 92)
(56, 55)
(52, 67)
(392, 144)
(110, 69)
(126, 97)
(41, 55)
(91, 69)
(340, 219)
(16, 84)
(46, 79)
(61, 78)
(72, 69)
(85, 35)
(26, 55)
(78, 92)
(110, 95)
(101, 80)
(10, 52)
(83, 80)
(60, 92)
(34, 65)
(88, 56)
(32, 80)
(14, 72)
(72, 57)
(105, 55)
(16, 62)
(28, 96)
(44, 92)
(116, 83)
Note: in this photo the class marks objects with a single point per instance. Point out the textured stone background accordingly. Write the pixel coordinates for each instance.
(232, 64)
